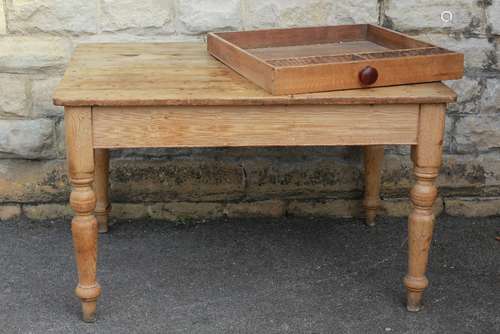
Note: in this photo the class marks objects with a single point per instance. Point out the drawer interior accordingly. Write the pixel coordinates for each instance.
(309, 50)
(338, 44)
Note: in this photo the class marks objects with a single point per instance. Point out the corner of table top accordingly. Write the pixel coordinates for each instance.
(449, 93)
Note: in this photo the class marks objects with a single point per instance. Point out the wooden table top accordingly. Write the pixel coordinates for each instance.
(136, 74)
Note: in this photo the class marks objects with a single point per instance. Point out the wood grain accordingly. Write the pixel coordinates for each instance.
(78, 126)
(252, 126)
(395, 68)
(392, 39)
(373, 158)
(342, 58)
(175, 95)
(161, 74)
(427, 157)
(101, 185)
(326, 49)
(241, 61)
(320, 77)
(295, 36)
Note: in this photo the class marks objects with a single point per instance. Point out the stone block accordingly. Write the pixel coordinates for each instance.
(137, 15)
(270, 208)
(411, 15)
(3, 23)
(129, 210)
(347, 208)
(477, 51)
(314, 177)
(13, 95)
(325, 208)
(32, 54)
(304, 13)
(184, 212)
(47, 211)
(33, 181)
(473, 206)
(29, 139)
(354, 11)
(477, 133)
(468, 92)
(259, 14)
(397, 175)
(497, 54)
(449, 131)
(493, 16)
(490, 100)
(460, 175)
(289, 13)
(181, 179)
(60, 139)
(467, 175)
(9, 212)
(200, 16)
(54, 16)
(41, 92)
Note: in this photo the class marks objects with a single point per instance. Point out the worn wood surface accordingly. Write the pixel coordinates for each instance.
(247, 63)
(392, 39)
(321, 77)
(427, 156)
(309, 50)
(254, 126)
(101, 157)
(78, 125)
(175, 95)
(312, 65)
(264, 38)
(184, 74)
(373, 158)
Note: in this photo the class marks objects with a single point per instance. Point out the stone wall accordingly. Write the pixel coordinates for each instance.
(38, 36)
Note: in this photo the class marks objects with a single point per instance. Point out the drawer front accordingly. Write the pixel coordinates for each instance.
(389, 72)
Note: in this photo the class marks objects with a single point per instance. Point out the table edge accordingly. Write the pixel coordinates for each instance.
(279, 100)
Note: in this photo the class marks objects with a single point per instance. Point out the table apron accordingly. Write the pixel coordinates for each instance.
(223, 126)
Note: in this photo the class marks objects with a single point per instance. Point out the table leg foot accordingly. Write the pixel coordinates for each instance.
(415, 291)
(102, 219)
(414, 301)
(373, 157)
(370, 217)
(89, 311)
(84, 230)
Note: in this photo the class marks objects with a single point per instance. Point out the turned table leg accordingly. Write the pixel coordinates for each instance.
(373, 157)
(80, 153)
(101, 188)
(426, 156)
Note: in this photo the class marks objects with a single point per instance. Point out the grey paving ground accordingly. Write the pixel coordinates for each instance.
(252, 276)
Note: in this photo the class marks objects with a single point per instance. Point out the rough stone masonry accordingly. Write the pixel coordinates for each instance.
(38, 36)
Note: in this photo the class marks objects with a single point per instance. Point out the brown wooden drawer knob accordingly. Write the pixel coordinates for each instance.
(368, 75)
